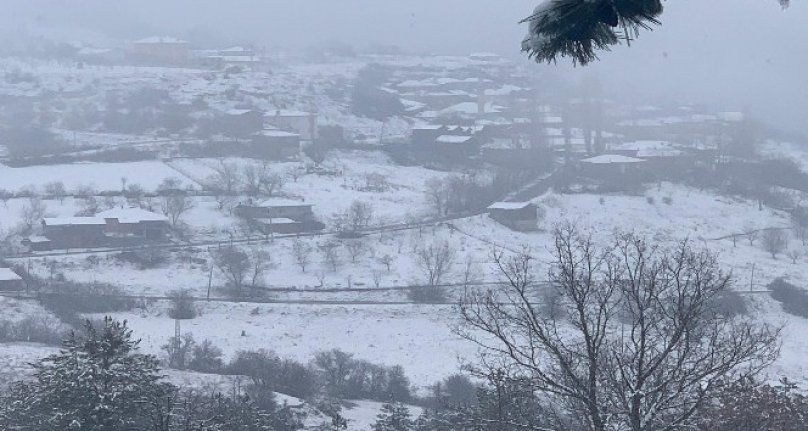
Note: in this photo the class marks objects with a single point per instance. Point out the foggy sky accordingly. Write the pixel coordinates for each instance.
(739, 54)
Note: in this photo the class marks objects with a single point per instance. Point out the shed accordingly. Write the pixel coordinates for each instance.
(10, 280)
(521, 216)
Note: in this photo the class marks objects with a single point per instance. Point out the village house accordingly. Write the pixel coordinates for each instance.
(75, 232)
(275, 144)
(134, 223)
(302, 123)
(242, 122)
(520, 216)
(611, 166)
(10, 280)
(37, 243)
(163, 50)
(279, 216)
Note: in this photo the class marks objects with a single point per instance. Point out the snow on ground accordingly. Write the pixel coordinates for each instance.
(362, 414)
(101, 176)
(417, 337)
(330, 195)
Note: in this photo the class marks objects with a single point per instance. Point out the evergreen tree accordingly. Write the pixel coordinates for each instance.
(579, 28)
(97, 381)
(394, 417)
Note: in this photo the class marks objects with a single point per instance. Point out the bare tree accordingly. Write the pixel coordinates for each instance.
(271, 183)
(5, 195)
(174, 206)
(234, 264)
(751, 231)
(56, 190)
(251, 177)
(376, 276)
(302, 254)
(437, 194)
(435, 261)
(774, 241)
(801, 233)
(32, 212)
(330, 252)
(643, 346)
(357, 217)
(794, 254)
(225, 179)
(260, 262)
(387, 261)
(135, 195)
(355, 247)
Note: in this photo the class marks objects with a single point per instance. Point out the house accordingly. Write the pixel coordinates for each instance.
(611, 166)
(275, 208)
(302, 123)
(278, 225)
(161, 50)
(456, 147)
(274, 144)
(10, 280)
(134, 223)
(242, 122)
(521, 216)
(279, 216)
(37, 243)
(75, 232)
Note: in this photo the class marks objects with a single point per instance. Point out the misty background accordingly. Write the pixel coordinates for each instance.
(737, 54)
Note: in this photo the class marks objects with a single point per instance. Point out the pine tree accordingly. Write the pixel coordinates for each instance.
(580, 28)
(393, 417)
(97, 381)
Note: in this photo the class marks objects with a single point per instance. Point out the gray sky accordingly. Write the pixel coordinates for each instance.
(745, 54)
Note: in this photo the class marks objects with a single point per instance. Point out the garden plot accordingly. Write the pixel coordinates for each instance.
(100, 176)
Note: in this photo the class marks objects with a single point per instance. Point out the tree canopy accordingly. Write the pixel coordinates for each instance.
(580, 28)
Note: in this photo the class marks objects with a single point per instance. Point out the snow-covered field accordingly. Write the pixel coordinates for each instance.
(101, 176)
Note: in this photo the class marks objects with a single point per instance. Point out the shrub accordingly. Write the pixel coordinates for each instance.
(667, 200)
(268, 371)
(206, 358)
(650, 200)
(729, 304)
(34, 330)
(182, 305)
(793, 298)
(427, 294)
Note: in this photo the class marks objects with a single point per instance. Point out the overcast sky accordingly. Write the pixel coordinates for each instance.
(745, 54)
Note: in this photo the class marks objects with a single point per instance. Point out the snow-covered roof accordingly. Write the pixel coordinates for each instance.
(131, 215)
(160, 39)
(604, 159)
(472, 108)
(277, 220)
(452, 139)
(428, 127)
(286, 113)
(6, 274)
(280, 202)
(73, 221)
(238, 111)
(37, 239)
(275, 133)
(509, 205)
(642, 145)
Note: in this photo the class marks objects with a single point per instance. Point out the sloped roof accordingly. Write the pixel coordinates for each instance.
(6, 274)
(604, 159)
(131, 215)
(73, 221)
(509, 205)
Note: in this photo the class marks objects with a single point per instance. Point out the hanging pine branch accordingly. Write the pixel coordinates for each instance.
(580, 28)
